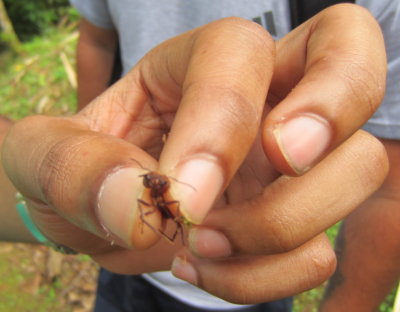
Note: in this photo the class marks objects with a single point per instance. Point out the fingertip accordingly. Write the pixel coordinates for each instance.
(119, 213)
(184, 270)
(377, 166)
(198, 182)
(295, 144)
(209, 243)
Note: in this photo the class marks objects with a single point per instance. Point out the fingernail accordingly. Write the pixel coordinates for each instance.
(209, 243)
(302, 140)
(198, 182)
(117, 203)
(184, 270)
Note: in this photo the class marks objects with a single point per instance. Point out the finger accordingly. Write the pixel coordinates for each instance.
(69, 172)
(130, 262)
(329, 78)
(260, 279)
(292, 210)
(223, 94)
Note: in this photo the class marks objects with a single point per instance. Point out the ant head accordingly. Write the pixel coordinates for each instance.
(147, 180)
(155, 181)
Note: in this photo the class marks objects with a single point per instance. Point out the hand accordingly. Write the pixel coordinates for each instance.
(209, 86)
(281, 226)
(270, 246)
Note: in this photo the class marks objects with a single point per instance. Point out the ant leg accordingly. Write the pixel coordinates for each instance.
(178, 230)
(144, 221)
(178, 212)
(168, 215)
(178, 220)
(168, 238)
(143, 214)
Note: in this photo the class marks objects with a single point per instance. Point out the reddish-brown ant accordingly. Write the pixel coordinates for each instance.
(158, 185)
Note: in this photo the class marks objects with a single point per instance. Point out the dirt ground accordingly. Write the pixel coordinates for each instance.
(36, 278)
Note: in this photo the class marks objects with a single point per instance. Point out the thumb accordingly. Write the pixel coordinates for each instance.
(75, 176)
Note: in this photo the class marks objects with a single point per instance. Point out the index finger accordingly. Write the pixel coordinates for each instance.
(224, 87)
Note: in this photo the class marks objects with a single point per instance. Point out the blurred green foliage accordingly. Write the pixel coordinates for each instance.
(31, 18)
(36, 80)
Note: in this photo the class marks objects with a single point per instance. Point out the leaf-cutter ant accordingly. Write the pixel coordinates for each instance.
(158, 186)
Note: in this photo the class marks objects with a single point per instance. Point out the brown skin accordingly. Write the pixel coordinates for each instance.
(95, 46)
(186, 84)
(12, 227)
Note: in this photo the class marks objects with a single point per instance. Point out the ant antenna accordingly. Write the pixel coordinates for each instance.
(140, 165)
(172, 178)
(184, 183)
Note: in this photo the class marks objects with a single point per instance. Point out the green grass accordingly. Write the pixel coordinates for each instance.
(36, 81)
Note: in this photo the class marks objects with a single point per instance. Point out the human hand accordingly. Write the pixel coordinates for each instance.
(282, 224)
(73, 170)
(270, 246)
(209, 87)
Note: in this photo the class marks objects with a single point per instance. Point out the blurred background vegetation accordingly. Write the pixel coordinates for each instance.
(37, 61)
(37, 46)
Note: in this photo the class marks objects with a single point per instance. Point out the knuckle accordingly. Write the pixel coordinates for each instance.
(366, 85)
(322, 264)
(278, 230)
(359, 16)
(59, 168)
(350, 10)
(241, 31)
(21, 128)
(374, 171)
(53, 171)
(360, 63)
(365, 67)
(250, 29)
(234, 112)
(239, 111)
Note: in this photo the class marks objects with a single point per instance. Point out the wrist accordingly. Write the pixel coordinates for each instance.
(34, 230)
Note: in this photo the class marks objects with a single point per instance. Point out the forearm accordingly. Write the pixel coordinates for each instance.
(95, 60)
(368, 248)
(11, 226)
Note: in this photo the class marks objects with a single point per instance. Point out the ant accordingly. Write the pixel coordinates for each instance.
(158, 185)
